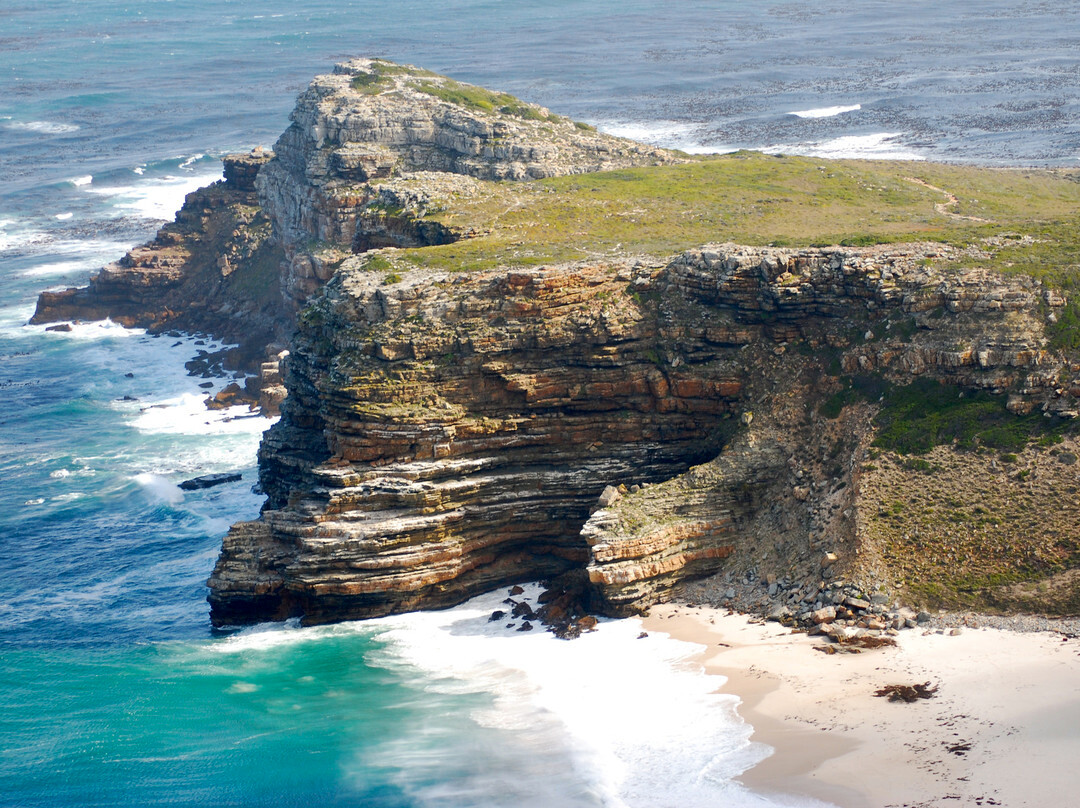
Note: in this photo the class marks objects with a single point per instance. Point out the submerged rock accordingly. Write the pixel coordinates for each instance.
(210, 480)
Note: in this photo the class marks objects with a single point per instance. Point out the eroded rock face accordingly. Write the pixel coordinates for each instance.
(214, 269)
(373, 145)
(451, 432)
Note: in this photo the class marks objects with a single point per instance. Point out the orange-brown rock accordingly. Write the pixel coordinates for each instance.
(451, 432)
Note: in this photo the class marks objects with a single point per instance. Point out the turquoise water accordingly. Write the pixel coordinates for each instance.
(114, 690)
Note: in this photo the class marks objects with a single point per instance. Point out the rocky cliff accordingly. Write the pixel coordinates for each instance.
(513, 361)
(449, 432)
(374, 146)
(214, 269)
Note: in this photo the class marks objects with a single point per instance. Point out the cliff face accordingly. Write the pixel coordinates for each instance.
(498, 376)
(213, 269)
(374, 146)
(450, 432)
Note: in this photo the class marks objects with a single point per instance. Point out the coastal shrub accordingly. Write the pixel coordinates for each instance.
(855, 388)
(924, 414)
(368, 83)
(866, 240)
(465, 95)
(1065, 333)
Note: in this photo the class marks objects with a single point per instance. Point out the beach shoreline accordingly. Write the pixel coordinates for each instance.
(999, 731)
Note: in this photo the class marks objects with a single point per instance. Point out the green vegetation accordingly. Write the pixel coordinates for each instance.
(915, 418)
(369, 83)
(925, 414)
(378, 79)
(468, 95)
(749, 198)
(854, 389)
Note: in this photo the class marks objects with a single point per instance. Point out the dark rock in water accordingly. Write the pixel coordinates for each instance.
(175, 344)
(129, 375)
(60, 327)
(516, 590)
(496, 615)
(206, 385)
(210, 480)
(522, 610)
(231, 396)
(526, 626)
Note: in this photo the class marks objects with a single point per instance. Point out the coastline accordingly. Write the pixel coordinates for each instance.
(998, 732)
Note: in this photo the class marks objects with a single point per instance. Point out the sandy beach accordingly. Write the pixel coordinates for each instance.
(1002, 728)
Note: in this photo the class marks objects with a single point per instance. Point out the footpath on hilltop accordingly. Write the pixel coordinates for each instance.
(521, 349)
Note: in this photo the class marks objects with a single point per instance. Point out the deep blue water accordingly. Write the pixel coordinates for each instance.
(113, 689)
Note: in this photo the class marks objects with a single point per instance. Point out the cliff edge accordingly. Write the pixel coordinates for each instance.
(527, 350)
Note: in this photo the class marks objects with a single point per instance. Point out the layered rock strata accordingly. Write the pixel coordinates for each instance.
(374, 146)
(214, 269)
(448, 433)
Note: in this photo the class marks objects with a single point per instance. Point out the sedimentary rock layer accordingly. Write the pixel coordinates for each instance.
(214, 269)
(374, 145)
(449, 432)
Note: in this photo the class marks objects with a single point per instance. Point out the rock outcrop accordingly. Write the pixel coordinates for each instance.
(459, 419)
(214, 269)
(374, 146)
(451, 432)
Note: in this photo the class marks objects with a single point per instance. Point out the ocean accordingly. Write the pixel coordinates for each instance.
(114, 690)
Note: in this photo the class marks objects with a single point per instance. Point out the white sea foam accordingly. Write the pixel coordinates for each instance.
(93, 330)
(825, 112)
(155, 199)
(17, 235)
(60, 474)
(57, 268)
(192, 160)
(63, 217)
(687, 137)
(42, 127)
(69, 497)
(642, 723)
(140, 170)
(187, 414)
(879, 146)
(159, 488)
(78, 182)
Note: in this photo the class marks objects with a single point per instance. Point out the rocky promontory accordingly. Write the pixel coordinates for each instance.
(449, 432)
(514, 360)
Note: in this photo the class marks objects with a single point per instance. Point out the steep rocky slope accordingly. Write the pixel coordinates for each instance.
(374, 146)
(214, 269)
(514, 360)
(448, 432)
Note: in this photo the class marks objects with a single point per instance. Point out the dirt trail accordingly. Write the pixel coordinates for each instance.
(951, 200)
